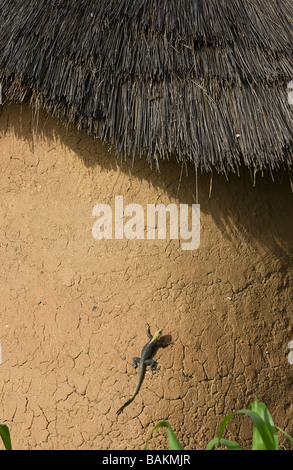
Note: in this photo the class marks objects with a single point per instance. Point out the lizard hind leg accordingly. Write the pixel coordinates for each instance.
(136, 360)
(151, 363)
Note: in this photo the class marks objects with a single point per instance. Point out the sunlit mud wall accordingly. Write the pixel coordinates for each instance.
(73, 308)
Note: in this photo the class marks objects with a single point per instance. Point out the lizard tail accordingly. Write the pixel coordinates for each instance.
(123, 406)
(135, 392)
(128, 401)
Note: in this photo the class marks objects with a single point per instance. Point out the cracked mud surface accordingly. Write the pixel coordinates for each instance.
(73, 309)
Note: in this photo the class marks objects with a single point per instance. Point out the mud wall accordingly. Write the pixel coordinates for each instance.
(73, 309)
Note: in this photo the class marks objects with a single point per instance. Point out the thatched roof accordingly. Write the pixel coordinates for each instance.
(204, 80)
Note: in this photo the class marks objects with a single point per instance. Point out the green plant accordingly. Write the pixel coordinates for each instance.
(173, 442)
(5, 435)
(264, 435)
(264, 431)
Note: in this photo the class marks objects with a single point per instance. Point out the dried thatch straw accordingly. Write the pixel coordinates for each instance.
(205, 80)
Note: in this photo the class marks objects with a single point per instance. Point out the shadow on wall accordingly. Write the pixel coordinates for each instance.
(261, 210)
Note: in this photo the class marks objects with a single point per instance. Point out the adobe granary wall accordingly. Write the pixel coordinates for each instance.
(73, 308)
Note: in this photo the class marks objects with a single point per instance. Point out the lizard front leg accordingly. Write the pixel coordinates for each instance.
(148, 331)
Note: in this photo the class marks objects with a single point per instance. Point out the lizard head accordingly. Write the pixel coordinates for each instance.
(157, 335)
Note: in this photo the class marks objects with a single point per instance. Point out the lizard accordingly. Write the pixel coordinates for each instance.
(145, 360)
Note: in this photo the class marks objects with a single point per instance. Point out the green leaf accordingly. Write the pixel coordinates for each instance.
(223, 424)
(262, 411)
(5, 435)
(173, 443)
(262, 438)
(217, 440)
(231, 445)
(287, 435)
